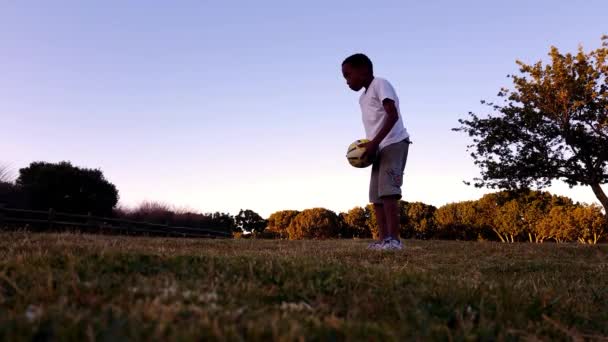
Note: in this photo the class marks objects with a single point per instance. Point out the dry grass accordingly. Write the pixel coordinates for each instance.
(83, 287)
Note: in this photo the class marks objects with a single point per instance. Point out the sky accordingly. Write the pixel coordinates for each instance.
(223, 105)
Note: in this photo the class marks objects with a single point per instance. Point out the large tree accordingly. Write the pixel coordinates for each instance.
(67, 188)
(552, 125)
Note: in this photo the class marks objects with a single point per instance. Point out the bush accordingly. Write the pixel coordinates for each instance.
(152, 212)
(279, 221)
(161, 213)
(317, 223)
(355, 223)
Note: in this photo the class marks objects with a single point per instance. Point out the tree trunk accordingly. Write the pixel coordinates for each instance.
(499, 235)
(601, 196)
(599, 193)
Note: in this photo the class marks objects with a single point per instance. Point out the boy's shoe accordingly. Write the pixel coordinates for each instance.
(391, 245)
(376, 245)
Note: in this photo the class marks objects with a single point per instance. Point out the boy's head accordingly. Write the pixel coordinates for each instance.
(358, 71)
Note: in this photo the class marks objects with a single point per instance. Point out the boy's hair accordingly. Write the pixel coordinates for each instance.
(360, 60)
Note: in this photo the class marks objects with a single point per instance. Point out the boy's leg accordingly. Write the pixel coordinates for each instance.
(383, 230)
(393, 159)
(391, 216)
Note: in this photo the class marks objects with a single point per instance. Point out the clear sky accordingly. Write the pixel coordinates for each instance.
(222, 105)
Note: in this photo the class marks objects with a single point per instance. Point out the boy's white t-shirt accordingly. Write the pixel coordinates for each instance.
(374, 113)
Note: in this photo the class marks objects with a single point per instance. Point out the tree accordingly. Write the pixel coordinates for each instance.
(552, 125)
(249, 221)
(508, 221)
(511, 214)
(280, 221)
(559, 224)
(535, 206)
(316, 223)
(67, 188)
(371, 222)
(224, 221)
(457, 221)
(356, 223)
(419, 220)
(590, 224)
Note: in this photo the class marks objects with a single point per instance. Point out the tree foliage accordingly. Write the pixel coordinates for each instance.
(417, 220)
(356, 221)
(316, 223)
(249, 221)
(279, 221)
(553, 124)
(67, 188)
(457, 221)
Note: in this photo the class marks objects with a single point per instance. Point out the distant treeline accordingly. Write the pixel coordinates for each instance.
(69, 189)
(507, 216)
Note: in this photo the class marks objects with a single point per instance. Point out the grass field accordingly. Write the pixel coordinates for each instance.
(106, 288)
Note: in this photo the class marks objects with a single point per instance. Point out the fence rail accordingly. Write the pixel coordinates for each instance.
(52, 220)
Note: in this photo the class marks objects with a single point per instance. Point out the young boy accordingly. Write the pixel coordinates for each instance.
(389, 143)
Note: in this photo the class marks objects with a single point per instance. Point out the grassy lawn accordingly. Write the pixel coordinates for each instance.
(85, 287)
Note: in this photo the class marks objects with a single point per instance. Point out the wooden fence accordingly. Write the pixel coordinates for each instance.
(52, 220)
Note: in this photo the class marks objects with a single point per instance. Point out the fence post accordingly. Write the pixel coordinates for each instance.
(51, 218)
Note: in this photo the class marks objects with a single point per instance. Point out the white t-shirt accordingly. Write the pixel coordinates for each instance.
(374, 113)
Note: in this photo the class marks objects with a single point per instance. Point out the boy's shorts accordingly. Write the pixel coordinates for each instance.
(387, 171)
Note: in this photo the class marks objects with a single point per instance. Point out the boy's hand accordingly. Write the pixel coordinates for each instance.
(371, 148)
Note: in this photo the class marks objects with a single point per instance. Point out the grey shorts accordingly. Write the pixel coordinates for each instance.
(387, 172)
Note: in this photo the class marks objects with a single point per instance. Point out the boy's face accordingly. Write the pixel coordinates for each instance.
(355, 77)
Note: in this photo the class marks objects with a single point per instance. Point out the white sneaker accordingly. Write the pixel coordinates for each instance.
(376, 245)
(392, 245)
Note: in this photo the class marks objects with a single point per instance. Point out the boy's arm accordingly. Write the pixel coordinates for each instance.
(371, 148)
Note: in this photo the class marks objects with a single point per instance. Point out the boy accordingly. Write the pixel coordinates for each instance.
(389, 143)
